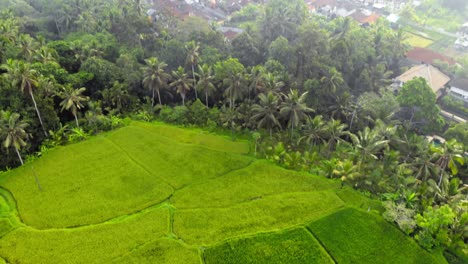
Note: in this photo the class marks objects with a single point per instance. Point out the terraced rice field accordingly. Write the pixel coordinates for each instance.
(153, 193)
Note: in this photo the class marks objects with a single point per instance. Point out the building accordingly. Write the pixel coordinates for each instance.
(459, 89)
(434, 78)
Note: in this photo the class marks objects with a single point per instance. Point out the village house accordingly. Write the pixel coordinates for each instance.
(434, 78)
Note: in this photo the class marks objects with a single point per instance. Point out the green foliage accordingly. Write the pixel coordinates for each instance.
(292, 246)
(420, 100)
(434, 225)
(458, 132)
(175, 115)
(105, 72)
(398, 213)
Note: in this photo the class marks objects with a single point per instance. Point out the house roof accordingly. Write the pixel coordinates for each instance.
(427, 56)
(460, 83)
(435, 78)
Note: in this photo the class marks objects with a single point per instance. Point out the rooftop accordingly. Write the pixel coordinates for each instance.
(460, 83)
(435, 78)
(427, 56)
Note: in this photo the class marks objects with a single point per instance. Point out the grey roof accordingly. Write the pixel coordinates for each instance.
(460, 83)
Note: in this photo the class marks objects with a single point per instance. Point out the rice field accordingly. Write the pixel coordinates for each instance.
(154, 193)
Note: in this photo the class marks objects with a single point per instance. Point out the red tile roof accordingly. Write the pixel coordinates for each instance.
(427, 56)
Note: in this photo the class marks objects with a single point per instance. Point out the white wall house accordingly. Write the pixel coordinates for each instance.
(459, 89)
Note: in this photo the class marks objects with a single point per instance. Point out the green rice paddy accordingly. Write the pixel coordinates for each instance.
(154, 193)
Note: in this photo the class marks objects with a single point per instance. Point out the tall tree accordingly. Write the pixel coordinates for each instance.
(368, 143)
(448, 155)
(23, 76)
(205, 81)
(294, 109)
(154, 77)
(72, 100)
(193, 56)
(266, 112)
(235, 87)
(314, 130)
(12, 129)
(334, 131)
(419, 102)
(181, 82)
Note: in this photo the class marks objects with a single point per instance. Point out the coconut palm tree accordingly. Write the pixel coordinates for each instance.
(154, 77)
(235, 87)
(256, 77)
(205, 81)
(334, 130)
(448, 155)
(72, 100)
(20, 74)
(13, 132)
(266, 112)
(314, 130)
(272, 83)
(367, 143)
(193, 55)
(181, 82)
(27, 46)
(294, 109)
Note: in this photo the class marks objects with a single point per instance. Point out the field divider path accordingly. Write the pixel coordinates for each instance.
(212, 178)
(320, 242)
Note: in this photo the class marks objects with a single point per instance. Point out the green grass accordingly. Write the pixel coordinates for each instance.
(353, 236)
(154, 193)
(291, 246)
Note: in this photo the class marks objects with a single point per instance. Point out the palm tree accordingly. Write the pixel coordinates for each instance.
(367, 143)
(266, 112)
(256, 78)
(154, 77)
(448, 155)
(45, 55)
(294, 109)
(117, 96)
(73, 100)
(334, 131)
(205, 81)
(181, 82)
(332, 81)
(272, 83)
(314, 130)
(13, 132)
(21, 74)
(27, 45)
(192, 59)
(234, 88)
